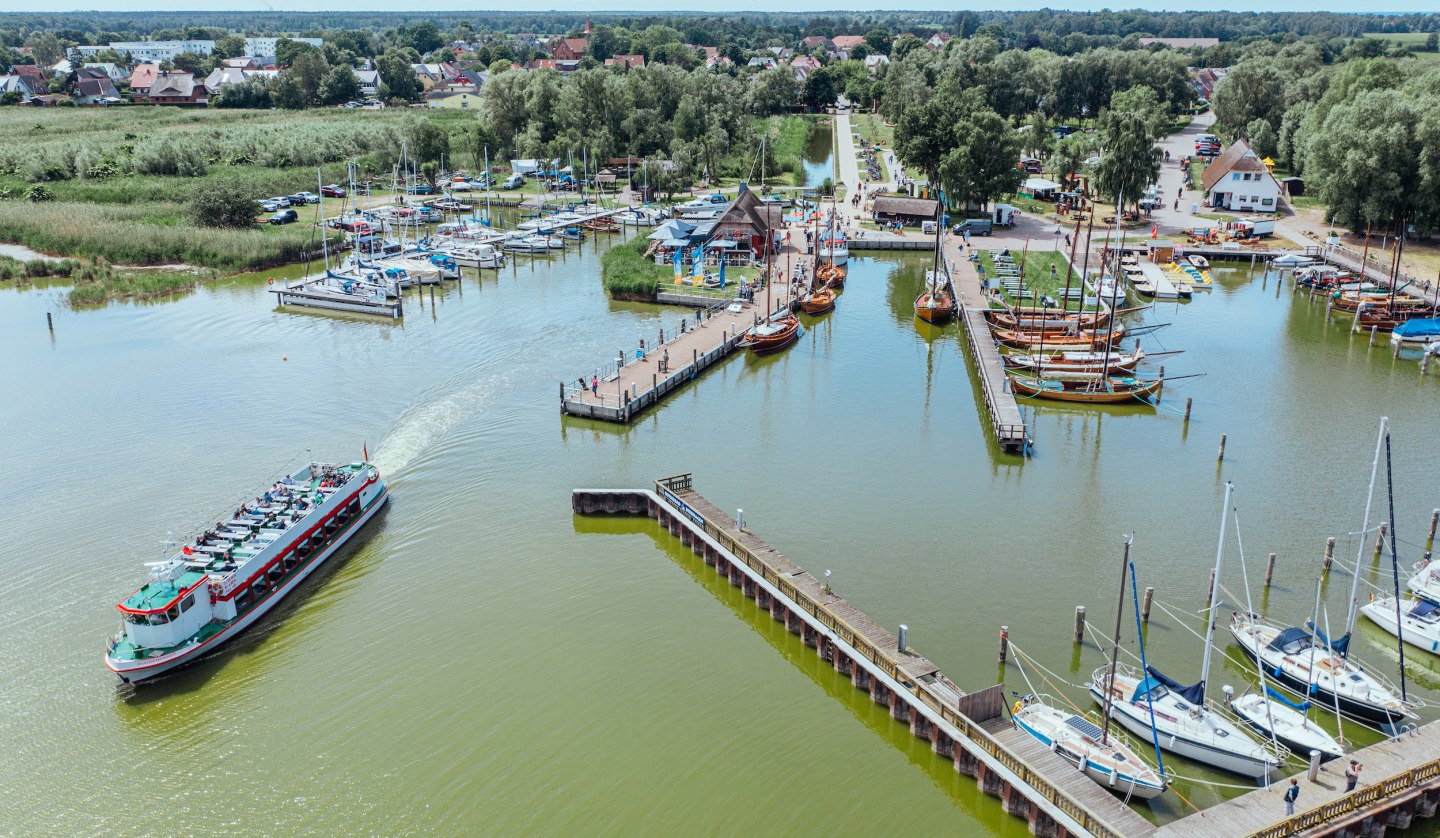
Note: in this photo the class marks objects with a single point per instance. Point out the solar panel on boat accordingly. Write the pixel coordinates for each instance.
(1086, 727)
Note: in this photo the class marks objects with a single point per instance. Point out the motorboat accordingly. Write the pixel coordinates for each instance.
(1419, 620)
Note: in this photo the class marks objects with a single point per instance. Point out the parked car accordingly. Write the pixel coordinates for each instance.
(976, 226)
(1208, 151)
(330, 190)
(513, 182)
(303, 198)
(420, 189)
(270, 204)
(285, 216)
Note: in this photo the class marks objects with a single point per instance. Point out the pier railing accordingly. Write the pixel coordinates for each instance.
(1353, 802)
(669, 487)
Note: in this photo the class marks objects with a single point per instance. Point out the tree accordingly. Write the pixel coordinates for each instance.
(879, 41)
(230, 46)
(820, 89)
(1263, 138)
(1432, 42)
(46, 48)
(1070, 154)
(223, 202)
(605, 43)
(287, 94)
(251, 93)
(981, 164)
(399, 76)
(286, 51)
(479, 141)
(923, 136)
(771, 92)
(187, 62)
(428, 142)
(1129, 157)
(1365, 161)
(423, 37)
(309, 70)
(340, 85)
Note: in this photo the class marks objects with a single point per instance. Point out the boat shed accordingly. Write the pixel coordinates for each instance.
(908, 211)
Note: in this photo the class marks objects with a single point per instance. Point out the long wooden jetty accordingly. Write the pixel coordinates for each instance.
(1401, 779)
(970, 729)
(628, 386)
(1006, 420)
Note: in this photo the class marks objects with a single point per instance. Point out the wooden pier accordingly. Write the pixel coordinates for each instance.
(1006, 420)
(628, 388)
(971, 730)
(1401, 780)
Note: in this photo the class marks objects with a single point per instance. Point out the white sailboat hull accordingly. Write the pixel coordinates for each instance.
(1422, 634)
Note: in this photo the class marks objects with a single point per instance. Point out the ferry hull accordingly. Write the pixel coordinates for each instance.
(136, 672)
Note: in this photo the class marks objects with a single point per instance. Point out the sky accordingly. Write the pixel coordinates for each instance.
(478, 6)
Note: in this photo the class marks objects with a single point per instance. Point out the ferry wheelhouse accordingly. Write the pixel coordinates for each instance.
(231, 575)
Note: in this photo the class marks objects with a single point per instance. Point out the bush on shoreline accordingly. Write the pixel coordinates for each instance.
(628, 274)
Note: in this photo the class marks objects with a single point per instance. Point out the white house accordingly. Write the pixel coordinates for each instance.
(1240, 180)
(155, 51)
(369, 81)
(265, 47)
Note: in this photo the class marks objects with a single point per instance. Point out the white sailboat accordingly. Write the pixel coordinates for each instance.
(1420, 619)
(1184, 722)
(1078, 741)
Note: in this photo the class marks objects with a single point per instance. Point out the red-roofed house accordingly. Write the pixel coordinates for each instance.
(629, 61)
(937, 41)
(812, 41)
(847, 42)
(177, 89)
(808, 63)
(569, 49)
(141, 79)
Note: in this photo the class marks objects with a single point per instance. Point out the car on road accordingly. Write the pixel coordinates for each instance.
(1207, 151)
(976, 227)
(331, 190)
(285, 216)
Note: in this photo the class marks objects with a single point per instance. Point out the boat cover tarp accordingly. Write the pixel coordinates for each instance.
(1419, 328)
(1288, 636)
(1195, 693)
(1302, 706)
(1424, 608)
(1340, 645)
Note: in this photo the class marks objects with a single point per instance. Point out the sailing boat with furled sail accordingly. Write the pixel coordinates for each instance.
(774, 332)
(936, 304)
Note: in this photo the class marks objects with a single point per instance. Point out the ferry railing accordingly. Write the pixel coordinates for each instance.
(669, 486)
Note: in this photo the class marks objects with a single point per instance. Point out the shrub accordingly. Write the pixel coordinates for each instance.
(626, 271)
(222, 203)
(38, 194)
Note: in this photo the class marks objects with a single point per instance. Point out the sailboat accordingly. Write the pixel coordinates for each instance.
(936, 304)
(1103, 758)
(1272, 714)
(1414, 620)
(773, 333)
(1314, 665)
(1063, 363)
(1183, 721)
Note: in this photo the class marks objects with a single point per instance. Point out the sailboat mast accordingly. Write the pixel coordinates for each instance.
(1365, 527)
(1115, 644)
(1395, 278)
(324, 239)
(1214, 591)
(1117, 256)
(1394, 555)
(1249, 611)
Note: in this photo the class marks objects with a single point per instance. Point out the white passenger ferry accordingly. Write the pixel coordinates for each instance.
(230, 575)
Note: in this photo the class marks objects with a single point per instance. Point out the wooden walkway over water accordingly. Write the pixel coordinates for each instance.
(970, 729)
(1401, 780)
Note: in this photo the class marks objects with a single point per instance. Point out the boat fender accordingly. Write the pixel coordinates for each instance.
(1019, 705)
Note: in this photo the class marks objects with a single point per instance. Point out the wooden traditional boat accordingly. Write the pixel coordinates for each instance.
(772, 335)
(830, 275)
(935, 306)
(1384, 318)
(1051, 319)
(1027, 339)
(818, 301)
(1350, 302)
(1111, 390)
(1052, 363)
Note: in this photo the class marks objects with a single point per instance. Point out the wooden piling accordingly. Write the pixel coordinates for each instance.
(1425, 363)
(1188, 401)
(50, 321)
(1270, 570)
(1329, 308)
(1379, 542)
(1004, 642)
(1221, 458)
(1145, 609)
(1434, 521)
(1079, 624)
(1329, 554)
(1373, 330)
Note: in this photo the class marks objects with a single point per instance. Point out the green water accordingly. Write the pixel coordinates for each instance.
(485, 661)
(819, 158)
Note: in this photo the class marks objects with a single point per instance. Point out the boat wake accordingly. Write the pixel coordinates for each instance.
(427, 422)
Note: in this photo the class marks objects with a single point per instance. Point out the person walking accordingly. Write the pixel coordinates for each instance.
(1352, 775)
(595, 385)
(1290, 795)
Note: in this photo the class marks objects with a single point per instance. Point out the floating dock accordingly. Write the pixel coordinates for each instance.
(1006, 420)
(329, 293)
(973, 731)
(629, 387)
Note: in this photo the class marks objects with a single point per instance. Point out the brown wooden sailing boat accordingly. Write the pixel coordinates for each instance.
(773, 333)
(1027, 339)
(1092, 390)
(936, 304)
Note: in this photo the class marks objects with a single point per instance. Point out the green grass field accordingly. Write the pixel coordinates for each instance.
(1037, 273)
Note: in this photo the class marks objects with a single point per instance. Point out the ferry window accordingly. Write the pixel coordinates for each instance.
(186, 603)
(242, 599)
(172, 612)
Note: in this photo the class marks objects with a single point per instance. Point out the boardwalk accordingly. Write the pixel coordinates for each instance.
(970, 729)
(1395, 770)
(624, 391)
(1005, 416)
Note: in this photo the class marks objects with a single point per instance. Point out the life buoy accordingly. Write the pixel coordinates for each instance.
(270, 281)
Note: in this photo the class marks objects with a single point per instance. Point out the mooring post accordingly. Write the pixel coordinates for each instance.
(1425, 363)
(1145, 609)
(1004, 642)
(1373, 330)
(904, 630)
(1188, 401)
(1329, 307)
(1221, 458)
(1270, 570)
(1434, 522)
(1314, 765)
(1079, 624)
(50, 321)
(1329, 553)
(1379, 542)
(562, 392)
(1396, 353)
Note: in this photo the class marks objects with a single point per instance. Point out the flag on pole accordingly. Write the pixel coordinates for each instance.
(722, 269)
(697, 260)
(676, 260)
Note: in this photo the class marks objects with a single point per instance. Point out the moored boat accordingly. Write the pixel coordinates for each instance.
(1418, 620)
(1274, 715)
(772, 335)
(1027, 339)
(1077, 740)
(228, 577)
(1091, 389)
(818, 301)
